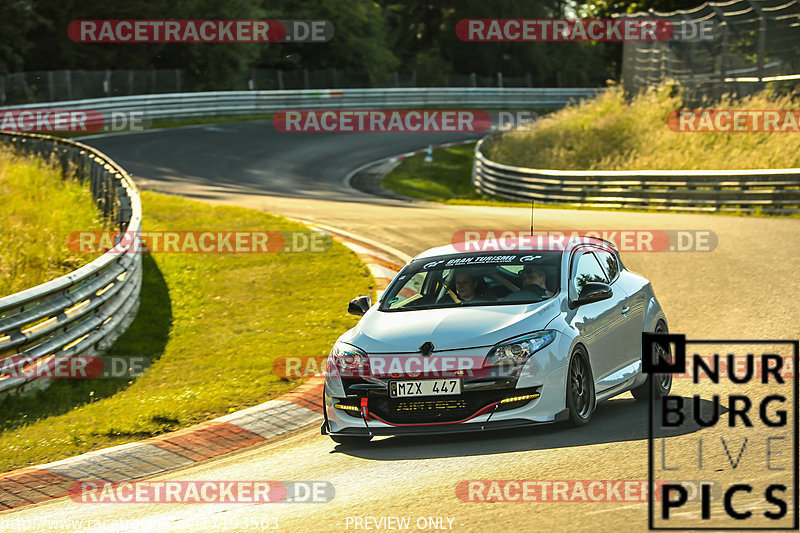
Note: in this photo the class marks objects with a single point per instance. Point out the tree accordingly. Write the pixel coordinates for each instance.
(422, 32)
(359, 47)
(16, 18)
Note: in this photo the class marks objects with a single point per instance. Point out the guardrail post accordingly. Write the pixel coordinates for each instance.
(723, 56)
(51, 95)
(68, 75)
(124, 212)
(761, 50)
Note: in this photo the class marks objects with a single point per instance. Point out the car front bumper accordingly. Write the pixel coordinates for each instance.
(479, 408)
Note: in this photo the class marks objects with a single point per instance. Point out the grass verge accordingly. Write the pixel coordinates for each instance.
(212, 325)
(39, 210)
(447, 179)
(608, 133)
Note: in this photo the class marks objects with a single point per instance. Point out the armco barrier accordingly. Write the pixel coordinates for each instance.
(83, 312)
(184, 105)
(771, 191)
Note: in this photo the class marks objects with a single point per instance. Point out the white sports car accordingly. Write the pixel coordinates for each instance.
(530, 333)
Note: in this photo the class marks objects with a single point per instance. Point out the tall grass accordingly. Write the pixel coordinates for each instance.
(608, 133)
(38, 209)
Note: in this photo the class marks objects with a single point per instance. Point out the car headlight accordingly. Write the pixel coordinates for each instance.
(348, 361)
(517, 351)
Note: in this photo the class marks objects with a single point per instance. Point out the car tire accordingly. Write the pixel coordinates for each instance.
(580, 389)
(348, 440)
(663, 381)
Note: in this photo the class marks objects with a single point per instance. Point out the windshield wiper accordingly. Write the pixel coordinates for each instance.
(417, 308)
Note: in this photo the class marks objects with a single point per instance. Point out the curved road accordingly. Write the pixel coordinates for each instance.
(746, 288)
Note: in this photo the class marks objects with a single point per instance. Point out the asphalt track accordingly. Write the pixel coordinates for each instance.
(746, 288)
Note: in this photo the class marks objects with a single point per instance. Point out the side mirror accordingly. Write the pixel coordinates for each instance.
(359, 306)
(593, 292)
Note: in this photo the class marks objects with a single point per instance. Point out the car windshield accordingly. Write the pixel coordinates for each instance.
(470, 279)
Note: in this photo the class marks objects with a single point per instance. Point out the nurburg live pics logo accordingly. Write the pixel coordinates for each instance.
(733, 425)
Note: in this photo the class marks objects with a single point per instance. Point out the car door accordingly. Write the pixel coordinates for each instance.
(599, 323)
(633, 309)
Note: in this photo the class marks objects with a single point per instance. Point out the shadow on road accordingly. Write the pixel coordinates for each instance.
(251, 159)
(614, 421)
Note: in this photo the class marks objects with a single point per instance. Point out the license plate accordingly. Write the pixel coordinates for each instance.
(424, 387)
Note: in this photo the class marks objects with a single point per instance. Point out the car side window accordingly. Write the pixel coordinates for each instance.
(609, 263)
(586, 271)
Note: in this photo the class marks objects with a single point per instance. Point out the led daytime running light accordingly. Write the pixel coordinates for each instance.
(520, 398)
(345, 407)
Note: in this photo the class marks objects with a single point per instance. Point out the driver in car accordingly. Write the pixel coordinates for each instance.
(466, 286)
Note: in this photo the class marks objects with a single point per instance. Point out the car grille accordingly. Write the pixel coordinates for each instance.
(431, 410)
(410, 411)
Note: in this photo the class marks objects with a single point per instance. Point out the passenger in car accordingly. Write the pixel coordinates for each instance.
(534, 286)
(534, 279)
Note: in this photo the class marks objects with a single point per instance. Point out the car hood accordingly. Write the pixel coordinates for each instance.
(447, 329)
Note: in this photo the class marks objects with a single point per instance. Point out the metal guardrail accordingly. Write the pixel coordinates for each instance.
(771, 191)
(184, 105)
(83, 312)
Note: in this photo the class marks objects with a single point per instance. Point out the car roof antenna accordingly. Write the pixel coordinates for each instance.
(531, 218)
